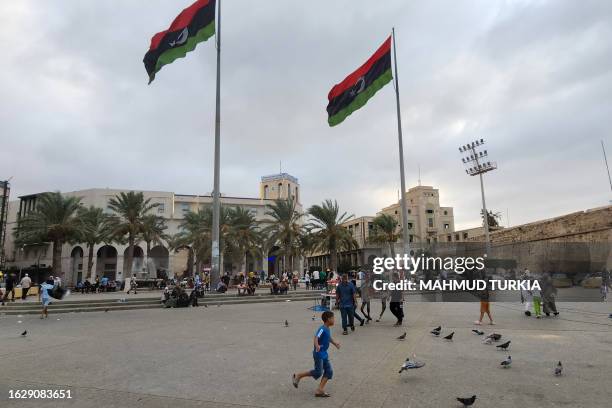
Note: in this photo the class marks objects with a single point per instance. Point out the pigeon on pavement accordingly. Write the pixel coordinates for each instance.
(408, 365)
(439, 328)
(402, 337)
(105, 310)
(559, 369)
(488, 340)
(435, 333)
(450, 336)
(504, 346)
(467, 401)
(478, 332)
(507, 362)
(494, 336)
(25, 333)
(286, 323)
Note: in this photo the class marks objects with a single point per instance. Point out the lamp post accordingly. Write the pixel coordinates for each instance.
(477, 163)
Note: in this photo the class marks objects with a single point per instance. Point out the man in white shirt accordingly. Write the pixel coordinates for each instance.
(25, 283)
(315, 280)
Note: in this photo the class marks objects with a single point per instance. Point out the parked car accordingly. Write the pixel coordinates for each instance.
(561, 280)
(592, 280)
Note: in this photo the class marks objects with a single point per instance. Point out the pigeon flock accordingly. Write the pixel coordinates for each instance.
(489, 339)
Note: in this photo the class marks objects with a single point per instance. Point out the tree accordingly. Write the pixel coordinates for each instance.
(54, 220)
(328, 233)
(244, 234)
(130, 209)
(93, 230)
(492, 218)
(284, 228)
(153, 227)
(385, 231)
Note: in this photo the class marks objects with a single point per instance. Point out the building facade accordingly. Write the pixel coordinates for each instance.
(109, 259)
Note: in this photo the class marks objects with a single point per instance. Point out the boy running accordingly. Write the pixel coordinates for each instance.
(322, 339)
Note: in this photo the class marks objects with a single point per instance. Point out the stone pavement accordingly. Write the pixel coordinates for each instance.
(237, 356)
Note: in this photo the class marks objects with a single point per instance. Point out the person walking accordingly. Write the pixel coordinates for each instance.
(365, 297)
(315, 280)
(133, 285)
(397, 302)
(549, 292)
(25, 283)
(45, 297)
(322, 366)
(307, 280)
(485, 306)
(346, 300)
(606, 284)
(9, 287)
(526, 295)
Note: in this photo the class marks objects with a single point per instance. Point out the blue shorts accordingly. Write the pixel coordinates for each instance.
(46, 302)
(321, 366)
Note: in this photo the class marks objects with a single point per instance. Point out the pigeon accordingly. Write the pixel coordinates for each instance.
(435, 333)
(286, 323)
(610, 316)
(205, 305)
(559, 369)
(488, 340)
(402, 337)
(467, 401)
(450, 336)
(439, 328)
(105, 310)
(25, 333)
(478, 332)
(507, 362)
(504, 346)
(408, 365)
(494, 336)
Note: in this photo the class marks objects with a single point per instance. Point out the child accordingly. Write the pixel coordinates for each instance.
(537, 301)
(322, 339)
(485, 307)
(44, 297)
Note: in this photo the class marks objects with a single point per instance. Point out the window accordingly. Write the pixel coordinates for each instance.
(449, 238)
(161, 208)
(370, 225)
(445, 212)
(430, 222)
(280, 190)
(296, 194)
(409, 212)
(410, 238)
(456, 237)
(446, 226)
(395, 212)
(429, 211)
(288, 190)
(465, 235)
(184, 207)
(265, 191)
(409, 225)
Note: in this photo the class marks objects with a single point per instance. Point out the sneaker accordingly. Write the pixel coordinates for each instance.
(556, 313)
(527, 313)
(295, 381)
(538, 316)
(345, 332)
(352, 328)
(477, 322)
(492, 323)
(362, 323)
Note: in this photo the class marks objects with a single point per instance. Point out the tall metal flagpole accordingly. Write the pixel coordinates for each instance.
(405, 232)
(606, 161)
(215, 267)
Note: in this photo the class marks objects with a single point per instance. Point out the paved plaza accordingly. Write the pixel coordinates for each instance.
(243, 356)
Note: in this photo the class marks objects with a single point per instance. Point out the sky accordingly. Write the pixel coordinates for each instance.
(533, 78)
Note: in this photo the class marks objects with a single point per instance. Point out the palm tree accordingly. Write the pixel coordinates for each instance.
(130, 209)
(54, 220)
(284, 228)
(244, 234)
(385, 231)
(93, 230)
(153, 227)
(328, 233)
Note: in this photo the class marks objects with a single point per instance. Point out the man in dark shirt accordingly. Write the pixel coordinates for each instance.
(9, 288)
(397, 300)
(346, 300)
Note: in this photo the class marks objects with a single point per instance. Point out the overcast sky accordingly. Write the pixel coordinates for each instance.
(534, 78)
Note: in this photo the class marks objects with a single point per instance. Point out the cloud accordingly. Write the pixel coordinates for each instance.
(532, 77)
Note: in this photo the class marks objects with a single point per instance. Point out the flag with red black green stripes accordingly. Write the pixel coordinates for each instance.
(357, 88)
(195, 24)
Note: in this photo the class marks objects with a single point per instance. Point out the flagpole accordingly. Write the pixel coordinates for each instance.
(215, 255)
(405, 232)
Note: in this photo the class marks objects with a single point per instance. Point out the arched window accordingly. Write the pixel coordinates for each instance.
(296, 194)
(288, 190)
(265, 191)
(280, 190)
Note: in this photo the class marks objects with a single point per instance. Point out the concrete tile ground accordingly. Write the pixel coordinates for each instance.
(243, 356)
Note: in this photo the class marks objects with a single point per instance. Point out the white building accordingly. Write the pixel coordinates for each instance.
(109, 259)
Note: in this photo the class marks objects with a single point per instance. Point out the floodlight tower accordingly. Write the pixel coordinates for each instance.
(477, 163)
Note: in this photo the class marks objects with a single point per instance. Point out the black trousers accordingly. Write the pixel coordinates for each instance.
(397, 309)
(24, 293)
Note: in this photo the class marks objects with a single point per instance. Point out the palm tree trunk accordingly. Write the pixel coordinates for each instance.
(334, 260)
(130, 256)
(244, 265)
(147, 260)
(90, 260)
(57, 259)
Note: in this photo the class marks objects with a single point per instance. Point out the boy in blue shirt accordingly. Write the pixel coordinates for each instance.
(322, 339)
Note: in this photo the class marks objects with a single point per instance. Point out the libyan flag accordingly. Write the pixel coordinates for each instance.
(357, 88)
(195, 24)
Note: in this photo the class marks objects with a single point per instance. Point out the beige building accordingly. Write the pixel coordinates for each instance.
(427, 220)
(109, 259)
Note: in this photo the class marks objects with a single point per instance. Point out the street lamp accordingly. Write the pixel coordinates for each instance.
(476, 161)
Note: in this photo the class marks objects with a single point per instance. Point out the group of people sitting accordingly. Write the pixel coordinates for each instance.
(178, 297)
(99, 285)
